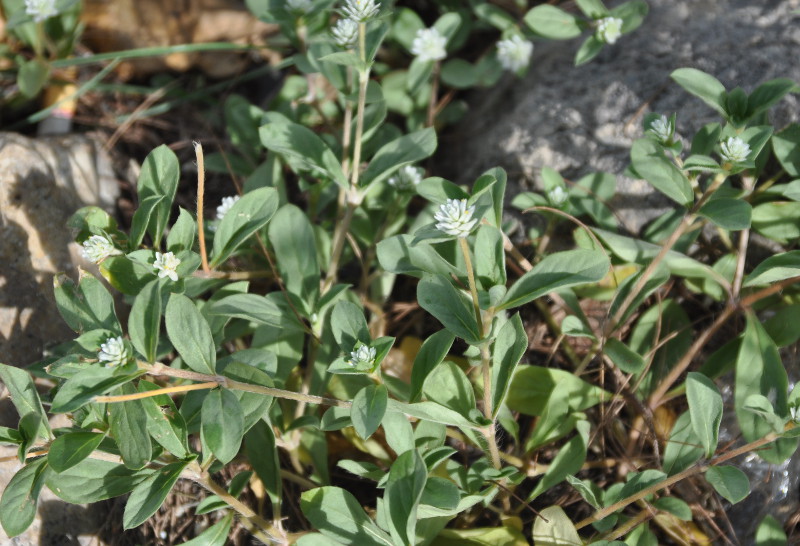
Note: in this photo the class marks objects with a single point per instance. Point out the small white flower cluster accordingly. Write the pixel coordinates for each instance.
(361, 11)
(299, 6)
(514, 53)
(225, 206)
(734, 150)
(114, 352)
(345, 33)
(166, 265)
(99, 247)
(609, 29)
(41, 10)
(455, 218)
(557, 196)
(429, 45)
(662, 129)
(363, 357)
(407, 178)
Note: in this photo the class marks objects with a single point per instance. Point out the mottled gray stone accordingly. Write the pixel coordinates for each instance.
(42, 183)
(579, 120)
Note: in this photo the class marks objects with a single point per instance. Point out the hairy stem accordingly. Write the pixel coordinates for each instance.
(156, 392)
(201, 190)
(472, 287)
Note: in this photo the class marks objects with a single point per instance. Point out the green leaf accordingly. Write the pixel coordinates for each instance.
(399, 254)
(775, 268)
(623, 357)
(70, 449)
(437, 296)
(405, 150)
(553, 23)
(702, 85)
(256, 308)
(246, 216)
(731, 214)
(24, 396)
(344, 58)
(404, 487)
(431, 411)
(509, 347)
(553, 528)
(159, 177)
(292, 239)
(87, 306)
(431, 353)
(18, 504)
(349, 326)
(128, 422)
(674, 506)
(449, 386)
(216, 535)
(144, 322)
(759, 371)
(593, 9)
(262, 452)
(786, 145)
(369, 407)
(183, 233)
(777, 220)
(494, 15)
(649, 162)
(167, 427)
(730, 482)
(93, 480)
(338, 515)
(490, 264)
(590, 48)
(82, 387)
(569, 460)
(705, 410)
(559, 270)
(254, 405)
(149, 495)
(190, 334)
(459, 74)
(683, 448)
(141, 220)
(770, 533)
(303, 145)
(532, 386)
(32, 76)
(222, 425)
(767, 94)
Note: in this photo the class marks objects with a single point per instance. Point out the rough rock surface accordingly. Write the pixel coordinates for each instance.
(583, 119)
(42, 182)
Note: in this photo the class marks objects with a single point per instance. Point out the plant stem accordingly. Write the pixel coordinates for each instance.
(472, 287)
(161, 369)
(353, 197)
(491, 431)
(156, 392)
(201, 189)
(686, 222)
(696, 469)
(431, 117)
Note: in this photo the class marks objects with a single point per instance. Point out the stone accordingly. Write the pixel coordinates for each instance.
(580, 120)
(42, 183)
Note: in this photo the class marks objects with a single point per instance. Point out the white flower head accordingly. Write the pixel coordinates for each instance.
(429, 45)
(734, 150)
(99, 247)
(662, 129)
(557, 196)
(114, 352)
(345, 33)
(455, 218)
(609, 29)
(166, 265)
(361, 11)
(225, 206)
(515, 53)
(363, 357)
(407, 178)
(41, 10)
(299, 6)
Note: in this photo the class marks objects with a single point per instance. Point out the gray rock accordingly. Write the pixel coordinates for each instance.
(579, 120)
(42, 182)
